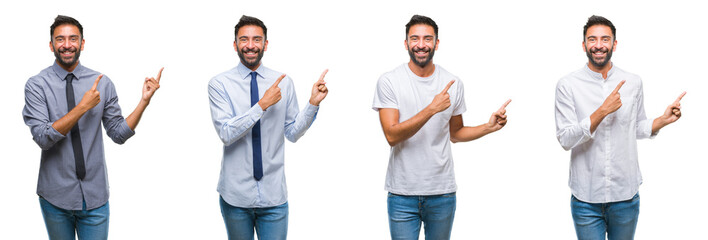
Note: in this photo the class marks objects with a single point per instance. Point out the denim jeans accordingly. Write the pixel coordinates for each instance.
(270, 223)
(436, 212)
(617, 219)
(64, 224)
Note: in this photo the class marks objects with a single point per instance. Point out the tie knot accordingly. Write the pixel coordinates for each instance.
(69, 77)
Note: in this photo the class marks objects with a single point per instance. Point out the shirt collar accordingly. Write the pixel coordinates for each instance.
(597, 75)
(61, 73)
(245, 72)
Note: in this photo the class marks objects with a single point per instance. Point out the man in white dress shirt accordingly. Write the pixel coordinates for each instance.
(600, 115)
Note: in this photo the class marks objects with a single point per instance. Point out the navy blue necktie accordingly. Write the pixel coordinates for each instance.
(75, 134)
(256, 133)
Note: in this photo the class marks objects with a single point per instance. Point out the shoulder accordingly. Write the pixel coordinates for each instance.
(396, 74)
(224, 76)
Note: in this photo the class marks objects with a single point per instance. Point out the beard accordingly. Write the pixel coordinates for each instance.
(251, 64)
(70, 62)
(599, 62)
(421, 62)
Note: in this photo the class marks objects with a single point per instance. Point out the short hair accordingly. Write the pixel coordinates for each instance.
(419, 19)
(248, 20)
(599, 20)
(61, 20)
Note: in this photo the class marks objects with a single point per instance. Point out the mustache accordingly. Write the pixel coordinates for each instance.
(248, 50)
(417, 49)
(63, 50)
(602, 50)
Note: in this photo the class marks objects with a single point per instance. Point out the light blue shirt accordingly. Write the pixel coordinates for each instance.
(233, 117)
(45, 103)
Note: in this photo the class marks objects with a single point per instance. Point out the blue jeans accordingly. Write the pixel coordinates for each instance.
(617, 219)
(270, 223)
(436, 212)
(64, 224)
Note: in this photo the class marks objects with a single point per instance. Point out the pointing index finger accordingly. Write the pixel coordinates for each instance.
(159, 74)
(95, 84)
(505, 104)
(277, 82)
(618, 86)
(323, 74)
(680, 97)
(448, 86)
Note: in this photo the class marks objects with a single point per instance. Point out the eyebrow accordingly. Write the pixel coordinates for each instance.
(425, 36)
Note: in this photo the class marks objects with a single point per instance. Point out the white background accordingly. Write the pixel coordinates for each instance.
(512, 184)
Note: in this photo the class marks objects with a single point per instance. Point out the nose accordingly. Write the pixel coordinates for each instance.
(251, 44)
(420, 44)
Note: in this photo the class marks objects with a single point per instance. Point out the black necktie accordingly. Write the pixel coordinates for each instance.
(256, 133)
(75, 135)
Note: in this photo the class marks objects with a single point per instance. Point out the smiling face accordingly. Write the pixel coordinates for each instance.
(250, 45)
(599, 44)
(67, 44)
(421, 44)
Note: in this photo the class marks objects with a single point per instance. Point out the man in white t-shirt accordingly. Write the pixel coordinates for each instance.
(420, 106)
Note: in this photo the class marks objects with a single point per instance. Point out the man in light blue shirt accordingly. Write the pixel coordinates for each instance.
(65, 105)
(253, 108)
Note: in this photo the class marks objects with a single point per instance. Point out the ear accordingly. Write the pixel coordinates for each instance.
(405, 44)
(265, 45)
(584, 49)
(51, 46)
(614, 46)
(235, 46)
(437, 43)
(83, 42)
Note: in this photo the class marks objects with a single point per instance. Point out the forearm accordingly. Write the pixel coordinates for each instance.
(596, 118)
(65, 123)
(303, 120)
(134, 118)
(657, 125)
(467, 133)
(399, 132)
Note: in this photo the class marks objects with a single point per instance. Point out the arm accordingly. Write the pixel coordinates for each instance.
(611, 104)
(90, 99)
(149, 87)
(460, 133)
(397, 132)
(229, 126)
(671, 115)
(570, 131)
(297, 123)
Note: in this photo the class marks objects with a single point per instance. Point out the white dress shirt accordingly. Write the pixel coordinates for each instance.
(233, 117)
(603, 164)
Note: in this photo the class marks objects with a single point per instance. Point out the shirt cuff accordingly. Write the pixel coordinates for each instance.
(648, 127)
(585, 126)
(310, 110)
(53, 134)
(256, 111)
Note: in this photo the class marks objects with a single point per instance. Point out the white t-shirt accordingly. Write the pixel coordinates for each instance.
(422, 164)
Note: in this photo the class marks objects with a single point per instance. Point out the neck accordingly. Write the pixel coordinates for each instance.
(69, 68)
(424, 71)
(603, 70)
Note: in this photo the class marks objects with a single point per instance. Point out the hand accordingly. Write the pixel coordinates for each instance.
(498, 119)
(272, 95)
(673, 112)
(319, 90)
(442, 100)
(150, 86)
(613, 102)
(92, 97)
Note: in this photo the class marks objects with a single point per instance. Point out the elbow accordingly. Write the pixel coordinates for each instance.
(392, 141)
(454, 140)
(45, 145)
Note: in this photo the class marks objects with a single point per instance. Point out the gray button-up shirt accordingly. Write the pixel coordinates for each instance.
(45, 103)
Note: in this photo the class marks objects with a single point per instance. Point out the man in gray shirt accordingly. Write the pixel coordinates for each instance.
(73, 184)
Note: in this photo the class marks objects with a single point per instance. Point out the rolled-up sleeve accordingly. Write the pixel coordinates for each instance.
(229, 125)
(570, 131)
(113, 121)
(36, 116)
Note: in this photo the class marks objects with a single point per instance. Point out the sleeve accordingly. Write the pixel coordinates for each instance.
(385, 96)
(228, 124)
(570, 131)
(297, 122)
(643, 124)
(113, 121)
(36, 116)
(459, 106)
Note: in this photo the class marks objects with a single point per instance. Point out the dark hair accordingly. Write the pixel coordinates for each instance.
(248, 20)
(598, 20)
(419, 19)
(61, 20)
